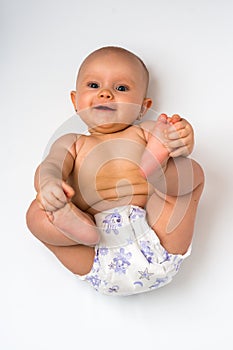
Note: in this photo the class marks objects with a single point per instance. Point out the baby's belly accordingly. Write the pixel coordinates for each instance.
(108, 199)
(111, 189)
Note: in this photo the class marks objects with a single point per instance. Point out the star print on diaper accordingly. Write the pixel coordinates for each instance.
(145, 274)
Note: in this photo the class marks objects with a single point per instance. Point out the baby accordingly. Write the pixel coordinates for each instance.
(117, 206)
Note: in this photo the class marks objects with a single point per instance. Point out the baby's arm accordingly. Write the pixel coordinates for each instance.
(50, 179)
(167, 137)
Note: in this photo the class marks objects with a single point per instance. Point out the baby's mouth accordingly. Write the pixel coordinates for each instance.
(105, 108)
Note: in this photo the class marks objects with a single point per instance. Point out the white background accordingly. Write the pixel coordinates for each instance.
(188, 48)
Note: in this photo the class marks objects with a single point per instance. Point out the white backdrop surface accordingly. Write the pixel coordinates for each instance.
(187, 46)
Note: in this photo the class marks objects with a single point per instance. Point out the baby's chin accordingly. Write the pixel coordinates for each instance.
(108, 128)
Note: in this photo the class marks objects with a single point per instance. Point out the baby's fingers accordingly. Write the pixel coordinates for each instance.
(183, 127)
(45, 203)
(177, 143)
(175, 118)
(180, 143)
(52, 203)
(177, 134)
(59, 195)
(181, 151)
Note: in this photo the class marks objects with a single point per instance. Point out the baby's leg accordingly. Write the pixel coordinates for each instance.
(67, 226)
(172, 208)
(76, 257)
(155, 154)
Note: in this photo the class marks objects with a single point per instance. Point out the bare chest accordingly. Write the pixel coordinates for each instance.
(108, 170)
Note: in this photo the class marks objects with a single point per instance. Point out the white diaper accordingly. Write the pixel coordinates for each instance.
(129, 258)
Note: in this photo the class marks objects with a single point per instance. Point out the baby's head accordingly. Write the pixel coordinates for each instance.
(118, 53)
(111, 75)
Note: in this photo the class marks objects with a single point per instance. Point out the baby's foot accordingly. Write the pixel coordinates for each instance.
(75, 224)
(156, 153)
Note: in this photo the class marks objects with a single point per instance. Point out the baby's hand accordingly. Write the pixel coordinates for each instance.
(53, 195)
(179, 137)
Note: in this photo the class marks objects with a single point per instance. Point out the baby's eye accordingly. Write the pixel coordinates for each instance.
(122, 88)
(93, 85)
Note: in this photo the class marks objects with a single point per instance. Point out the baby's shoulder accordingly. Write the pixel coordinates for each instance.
(148, 125)
(133, 132)
(65, 141)
(71, 142)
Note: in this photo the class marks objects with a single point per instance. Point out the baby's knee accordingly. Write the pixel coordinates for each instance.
(30, 215)
(198, 172)
(35, 216)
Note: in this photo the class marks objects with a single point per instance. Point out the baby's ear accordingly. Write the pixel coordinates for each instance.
(147, 103)
(73, 99)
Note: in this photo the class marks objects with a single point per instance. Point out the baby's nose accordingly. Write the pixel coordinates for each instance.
(105, 94)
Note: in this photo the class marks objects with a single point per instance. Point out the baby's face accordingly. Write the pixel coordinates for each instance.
(110, 92)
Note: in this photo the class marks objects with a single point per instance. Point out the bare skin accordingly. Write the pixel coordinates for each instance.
(117, 164)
